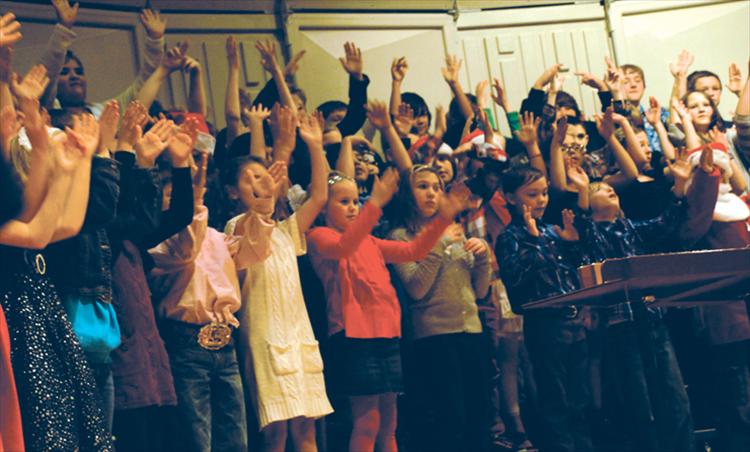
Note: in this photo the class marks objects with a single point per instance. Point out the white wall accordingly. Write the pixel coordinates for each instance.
(512, 44)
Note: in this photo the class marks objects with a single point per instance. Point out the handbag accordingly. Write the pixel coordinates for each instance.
(95, 324)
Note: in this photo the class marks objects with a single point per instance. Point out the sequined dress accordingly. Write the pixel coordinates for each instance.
(56, 389)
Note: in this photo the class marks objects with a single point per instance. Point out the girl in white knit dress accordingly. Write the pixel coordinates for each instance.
(282, 363)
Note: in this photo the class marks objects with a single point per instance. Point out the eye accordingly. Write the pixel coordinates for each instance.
(65, 71)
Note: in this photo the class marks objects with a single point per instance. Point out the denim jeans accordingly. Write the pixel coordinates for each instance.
(105, 385)
(210, 401)
(644, 369)
(559, 356)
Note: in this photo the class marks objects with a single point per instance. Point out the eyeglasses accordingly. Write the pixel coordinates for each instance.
(579, 136)
(572, 147)
(334, 177)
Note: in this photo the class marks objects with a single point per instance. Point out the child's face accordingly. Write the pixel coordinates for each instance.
(444, 168)
(343, 205)
(700, 109)
(535, 195)
(604, 199)
(252, 174)
(422, 123)
(574, 144)
(427, 191)
(711, 87)
(633, 85)
(644, 145)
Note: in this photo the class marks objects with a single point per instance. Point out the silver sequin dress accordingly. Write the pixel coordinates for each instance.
(60, 410)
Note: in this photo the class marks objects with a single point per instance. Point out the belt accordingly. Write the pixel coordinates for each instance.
(211, 336)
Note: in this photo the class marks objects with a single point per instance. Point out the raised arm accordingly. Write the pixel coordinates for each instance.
(379, 117)
(605, 125)
(557, 162)
(174, 59)
(451, 73)
(528, 136)
(633, 146)
(356, 113)
(284, 131)
(58, 44)
(345, 162)
(197, 97)
(742, 121)
(653, 116)
(679, 71)
(267, 51)
(312, 134)
(232, 110)
(399, 68)
(257, 116)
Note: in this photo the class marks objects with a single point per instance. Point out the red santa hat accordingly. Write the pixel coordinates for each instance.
(493, 150)
(722, 159)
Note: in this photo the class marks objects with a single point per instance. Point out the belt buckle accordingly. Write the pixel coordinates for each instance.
(573, 312)
(40, 264)
(214, 336)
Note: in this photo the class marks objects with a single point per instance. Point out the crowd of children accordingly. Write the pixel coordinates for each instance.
(290, 283)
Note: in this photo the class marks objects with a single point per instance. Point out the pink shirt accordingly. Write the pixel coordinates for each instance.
(361, 298)
(195, 274)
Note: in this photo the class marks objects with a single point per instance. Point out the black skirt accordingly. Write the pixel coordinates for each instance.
(362, 367)
(60, 409)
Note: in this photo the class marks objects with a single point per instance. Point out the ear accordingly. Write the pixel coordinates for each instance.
(511, 198)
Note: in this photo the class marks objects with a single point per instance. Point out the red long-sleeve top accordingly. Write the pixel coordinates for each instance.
(361, 299)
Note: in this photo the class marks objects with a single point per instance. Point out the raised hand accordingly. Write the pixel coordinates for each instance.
(399, 68)
(475, 246)
(283, 128)
(578, 177)
(681, 110)
(66, 14)
(180, 148)
(310, 130)
(547, 76)
(131, 127)
(233, 56)
(10, 30)
(352, 61)
(589, 79)
(680, 169)
(384, 187)
(559, 129)
(33, 84)
(152, 22)
(486, 126)
(441, 121)
(707, 159)
(84, 135)
(499, 95)
(267, 51)
(403, 120)
(377, 113)
(108, 128)
(568, 233)
(717, 136)
(293, 66)
(264, 188)
(680, 68)
(527, 134)
(279, 172)
(653, 115)
(481, 91)
(605, 124)
(153, 143)
(530, 222)
(557, 83)
(613, 78)
(175, 57)
(191, 66)
(734, 83)
(455, 201)
(190, 128)
(452, 69)
(257, 114)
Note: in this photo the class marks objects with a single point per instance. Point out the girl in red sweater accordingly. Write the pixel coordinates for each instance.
(364, 316)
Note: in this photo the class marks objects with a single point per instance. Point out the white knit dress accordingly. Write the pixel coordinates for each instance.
(282, 363)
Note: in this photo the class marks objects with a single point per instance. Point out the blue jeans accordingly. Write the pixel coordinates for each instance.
(210, 401)
(644, 369)
(105, 385)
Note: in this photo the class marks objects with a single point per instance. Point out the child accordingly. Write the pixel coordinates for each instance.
(282, 360)
(443, 320)
(196, 282)
(656, 406)
(364, 317)
(536, 262)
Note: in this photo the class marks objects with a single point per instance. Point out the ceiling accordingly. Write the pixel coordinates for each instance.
(312, 5)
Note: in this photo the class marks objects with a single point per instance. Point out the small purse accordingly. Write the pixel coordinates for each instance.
(95, 324)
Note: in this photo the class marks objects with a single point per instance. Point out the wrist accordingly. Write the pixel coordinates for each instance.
(180, 162)
(144, 162)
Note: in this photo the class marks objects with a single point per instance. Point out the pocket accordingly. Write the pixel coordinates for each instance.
(311, 359)
(283, 359)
